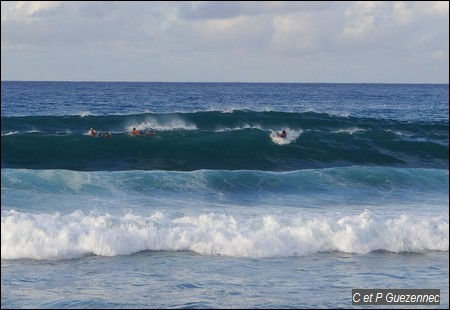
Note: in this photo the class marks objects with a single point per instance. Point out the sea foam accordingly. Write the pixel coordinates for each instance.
(57, 236)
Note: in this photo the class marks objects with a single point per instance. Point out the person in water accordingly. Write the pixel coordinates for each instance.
(283, 134)
(93, 133)
(136, 132)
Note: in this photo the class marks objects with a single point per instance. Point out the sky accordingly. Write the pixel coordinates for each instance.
(226, 41)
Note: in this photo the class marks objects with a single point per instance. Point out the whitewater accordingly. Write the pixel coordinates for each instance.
(215, 210)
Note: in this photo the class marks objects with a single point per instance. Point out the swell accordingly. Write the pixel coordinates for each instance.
(164, 222)
(213, 121)
(216, 140)
(356, 178)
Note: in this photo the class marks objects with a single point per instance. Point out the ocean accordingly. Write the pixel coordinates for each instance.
(213, 209)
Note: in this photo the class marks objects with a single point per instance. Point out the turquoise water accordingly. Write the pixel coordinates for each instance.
(214, 210)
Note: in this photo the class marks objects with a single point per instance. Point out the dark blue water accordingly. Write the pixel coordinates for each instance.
(223, 126)
(214, 209)
(411, 102)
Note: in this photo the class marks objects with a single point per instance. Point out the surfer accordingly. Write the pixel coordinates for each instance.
(136, 132)
(93, 133)
(283, 134)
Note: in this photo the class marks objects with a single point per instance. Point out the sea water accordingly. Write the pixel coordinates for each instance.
(214, 210)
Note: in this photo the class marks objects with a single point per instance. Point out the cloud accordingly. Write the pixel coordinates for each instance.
(26, 11)
(405, 12)
(435, 8)
(209, 10)
(80, 23)
(298, 36)
(231, 9)
(440, 55)
(240, 33)
(295, 33)
(363, 17)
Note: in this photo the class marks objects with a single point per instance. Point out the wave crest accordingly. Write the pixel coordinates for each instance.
(56, 236)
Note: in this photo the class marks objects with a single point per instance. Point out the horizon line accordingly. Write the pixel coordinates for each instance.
(222, 82)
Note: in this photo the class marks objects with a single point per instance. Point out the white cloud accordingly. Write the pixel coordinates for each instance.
(275, 39)
(405, 12)
(294, 33)
(440, 55)
(362, 18)
(26, 11)
(402, 12)
(437, 8)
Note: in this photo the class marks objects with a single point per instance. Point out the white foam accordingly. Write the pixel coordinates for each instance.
(350, 131)
(10, 133)
(20, 132)
(56, 236)
(238, 128)
(85, 114)
(291, 136)
(166, 124)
